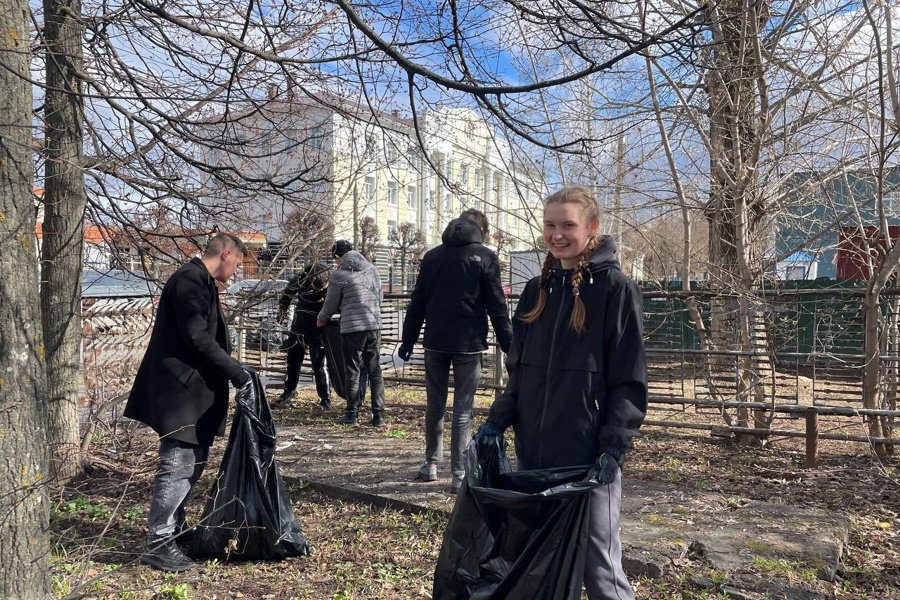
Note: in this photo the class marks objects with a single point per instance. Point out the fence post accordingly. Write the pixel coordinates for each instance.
(241, 340)
(812, 437)
(498, 370)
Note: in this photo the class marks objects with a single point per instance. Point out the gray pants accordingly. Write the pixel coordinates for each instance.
(466, 375)
(604, 577)
(361, 354)
(180, 467)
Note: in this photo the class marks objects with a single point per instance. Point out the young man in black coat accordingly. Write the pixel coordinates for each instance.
(458, 287)
(181, 389)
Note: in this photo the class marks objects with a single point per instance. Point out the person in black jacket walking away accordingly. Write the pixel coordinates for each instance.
(577, 389)
(308, 288)
(181, 389)
(458, 287)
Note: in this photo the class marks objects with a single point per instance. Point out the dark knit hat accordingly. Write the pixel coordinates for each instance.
(340, 248)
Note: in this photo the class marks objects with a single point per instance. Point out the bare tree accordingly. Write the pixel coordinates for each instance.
(23, 392)
(307, 237)
(882, 253)
(369, 237)
(62, 247)
(410, 242)
(152, 161)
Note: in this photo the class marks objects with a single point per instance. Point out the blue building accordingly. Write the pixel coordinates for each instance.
(816, 207)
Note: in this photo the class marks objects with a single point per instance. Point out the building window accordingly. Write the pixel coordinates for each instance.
(314, 138)
(415, 159)
(370, 191)
(412, 195)
(796, 272)
(371, 144)
(464, 174)
(392, 227)
(891, 203)
(391, 152)
(470, 129)
(393, 193)
(519, 216)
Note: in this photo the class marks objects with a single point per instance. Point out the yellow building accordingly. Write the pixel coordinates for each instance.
(324, 160)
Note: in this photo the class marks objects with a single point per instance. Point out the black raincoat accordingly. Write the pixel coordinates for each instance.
(571, 397)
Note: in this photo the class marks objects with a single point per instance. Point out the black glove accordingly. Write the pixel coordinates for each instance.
(405, 352)
(487, 429)
(606, 469)
(241, 379)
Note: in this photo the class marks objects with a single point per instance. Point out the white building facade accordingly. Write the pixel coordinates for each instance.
(344, 165)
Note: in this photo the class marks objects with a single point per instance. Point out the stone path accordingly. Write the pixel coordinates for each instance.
(662, 523)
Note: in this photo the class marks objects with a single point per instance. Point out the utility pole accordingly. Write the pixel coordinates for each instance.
(620, 180)
(355, 214)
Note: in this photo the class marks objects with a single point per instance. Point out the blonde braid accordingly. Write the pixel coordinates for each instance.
(576, 321)
(532, 315)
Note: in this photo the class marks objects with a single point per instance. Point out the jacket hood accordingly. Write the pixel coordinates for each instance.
(461, 232)
(353, 261)
(604, 256)
(318, 267)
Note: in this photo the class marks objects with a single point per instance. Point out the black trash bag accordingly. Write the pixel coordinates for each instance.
(515, 535)
(334, 362)
(334, 358)
(249, 515)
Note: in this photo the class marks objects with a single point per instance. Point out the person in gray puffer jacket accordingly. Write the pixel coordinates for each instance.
(355, 291)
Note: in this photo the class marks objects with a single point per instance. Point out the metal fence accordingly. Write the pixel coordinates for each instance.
(807, 354)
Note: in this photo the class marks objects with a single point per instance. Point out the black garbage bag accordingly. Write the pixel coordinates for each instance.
(334, 358)
(515, 535)
(249, 515)
(334, 361)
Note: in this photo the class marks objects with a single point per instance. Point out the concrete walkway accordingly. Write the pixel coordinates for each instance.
(663, 525)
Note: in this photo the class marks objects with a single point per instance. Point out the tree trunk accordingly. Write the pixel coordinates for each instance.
(62, 250)
(734, 209)
(24, 544)
(403, 270)
(872, 367)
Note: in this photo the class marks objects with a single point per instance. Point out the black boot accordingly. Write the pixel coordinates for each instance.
(165, 556)
(347, 419)
(325, 403)
(378, 419)
(285, 398)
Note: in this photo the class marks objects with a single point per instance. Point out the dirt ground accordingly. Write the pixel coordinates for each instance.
(366, 552)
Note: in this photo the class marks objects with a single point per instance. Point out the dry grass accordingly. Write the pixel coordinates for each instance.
(365, 553)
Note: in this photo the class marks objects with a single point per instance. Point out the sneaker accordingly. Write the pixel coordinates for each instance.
(427, 472)
(455, 485)
(378, 420)
(325, 403)
(348, 419)
(167, 557)
(285, 398)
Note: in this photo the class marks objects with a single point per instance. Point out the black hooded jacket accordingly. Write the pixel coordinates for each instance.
(457, 289)
(309, 299)
(571, 397)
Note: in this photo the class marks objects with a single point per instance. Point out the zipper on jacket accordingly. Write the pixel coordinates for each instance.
(550, 366)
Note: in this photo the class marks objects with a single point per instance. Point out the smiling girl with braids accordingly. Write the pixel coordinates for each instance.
(577, 389)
